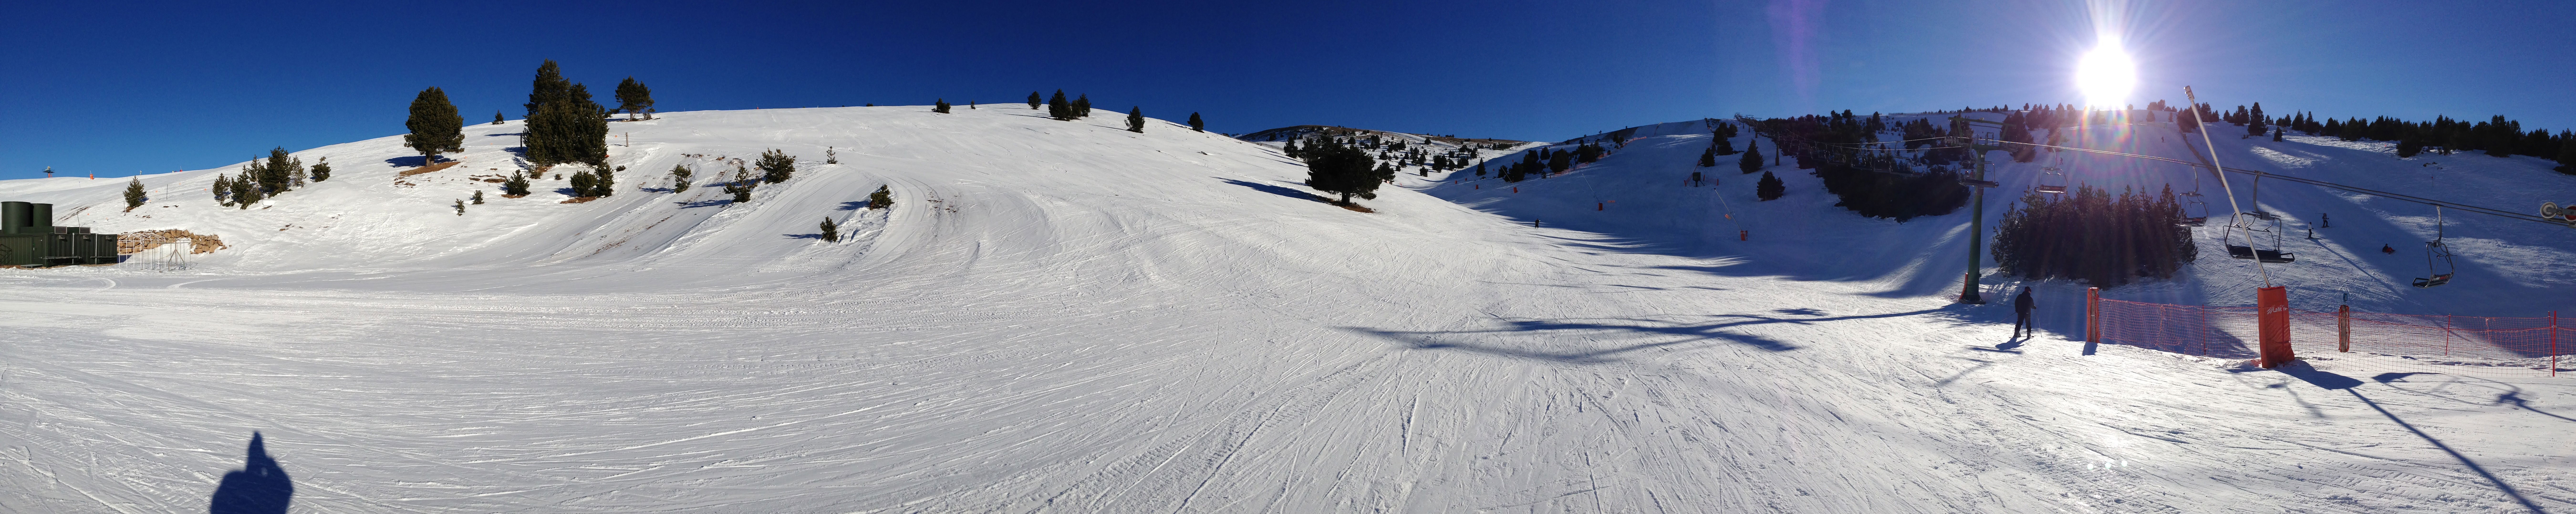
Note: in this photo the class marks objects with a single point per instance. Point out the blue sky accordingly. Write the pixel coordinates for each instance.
(121, 88)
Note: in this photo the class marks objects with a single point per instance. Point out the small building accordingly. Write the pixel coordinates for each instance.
(28, 238)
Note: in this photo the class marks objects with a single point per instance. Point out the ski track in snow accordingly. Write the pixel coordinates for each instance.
(1068, 317)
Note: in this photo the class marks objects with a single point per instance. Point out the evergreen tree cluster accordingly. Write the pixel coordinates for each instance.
(883, 198)
(939, 106)
(1828, 144)
(563, 124)
(600, 184)
(1348, 171)
(260, 178)
(2093, 236)
(776, 166)
(1068, 110)
(1769, 188)
(1723, 143)
(2496, 136)
(680, 178)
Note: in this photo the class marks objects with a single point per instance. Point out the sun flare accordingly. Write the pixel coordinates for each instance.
(2106, 75)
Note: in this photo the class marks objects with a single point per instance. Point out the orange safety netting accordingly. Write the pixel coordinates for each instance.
(2230, 332)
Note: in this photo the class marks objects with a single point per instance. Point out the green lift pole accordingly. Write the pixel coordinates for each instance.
(1963, 135)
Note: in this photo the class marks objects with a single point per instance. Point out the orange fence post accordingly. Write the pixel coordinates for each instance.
(2343, 328)
(2093, 315)
(2272, 325)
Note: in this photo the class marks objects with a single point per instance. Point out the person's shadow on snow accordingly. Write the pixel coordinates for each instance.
(259, 487)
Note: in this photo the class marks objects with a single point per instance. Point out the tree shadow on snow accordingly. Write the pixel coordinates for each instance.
(816, 235)
(1272, 189)
(412, 161)
(259, 487)
(509, 134)
(1689, 333)
(851, 206)
(692, 204)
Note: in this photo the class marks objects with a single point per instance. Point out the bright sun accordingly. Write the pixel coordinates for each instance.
(2106, 76)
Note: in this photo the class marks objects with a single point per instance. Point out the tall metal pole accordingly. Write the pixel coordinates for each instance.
(1976, 224)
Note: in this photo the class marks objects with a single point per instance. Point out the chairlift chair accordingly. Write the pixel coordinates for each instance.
(2248, 251)
(2435, 249)
(2052, 169)
(2194, 221)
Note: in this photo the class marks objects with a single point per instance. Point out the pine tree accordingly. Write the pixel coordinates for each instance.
(563, 124)
(679, 178)
(1196, 125)
(1058, 108)
(133, 194)
(583, 183)
(322, 170)
(831, 232)
(296, 178)
(633, 97)
(1559, 161)
(1769, 188)
(1342, 170)
(883, 198)
(1290, 148)
(1752, 160)
(1136, 119)
(272, 176)
(940, 106)
(223, 190)
(516, 187)
(607, 184)
(1082, 106)
(245, 189)
(460, 207)
(550, 87)
(1480, 171)
(496, 117)
(776, 166)
(2276, 134)
(435, 126)
(478, 197)
(2408, 147)
(1708, 158)
(831, 155)
(741, 186)
(1034, 101)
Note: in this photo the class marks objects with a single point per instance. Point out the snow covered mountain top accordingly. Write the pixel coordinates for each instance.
(1066, 316)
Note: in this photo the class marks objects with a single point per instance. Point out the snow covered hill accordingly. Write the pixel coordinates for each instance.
(1065, 316)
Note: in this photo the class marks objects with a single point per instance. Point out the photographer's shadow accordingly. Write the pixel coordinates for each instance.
(259, 487)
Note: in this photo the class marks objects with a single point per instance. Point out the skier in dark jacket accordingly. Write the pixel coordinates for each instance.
(2021, 307)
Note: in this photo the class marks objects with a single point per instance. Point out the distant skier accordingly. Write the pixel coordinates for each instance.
(2021, 308)
(2384, 248)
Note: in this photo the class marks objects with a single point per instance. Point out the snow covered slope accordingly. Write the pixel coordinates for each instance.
(1065, 316)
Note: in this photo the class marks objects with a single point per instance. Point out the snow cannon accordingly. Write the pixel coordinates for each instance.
(29, 239)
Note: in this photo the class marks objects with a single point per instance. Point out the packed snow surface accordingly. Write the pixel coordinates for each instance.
(1070, 317)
